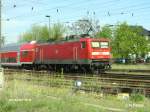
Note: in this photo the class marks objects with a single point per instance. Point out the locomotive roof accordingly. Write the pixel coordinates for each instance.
(10, 47)
(76, 39)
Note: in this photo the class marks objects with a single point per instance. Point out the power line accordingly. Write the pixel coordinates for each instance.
(118, 9)
(110, 14)
(123, 13)
(57, 7)
(63, 6)
(104, 15)
(33, 5)
(130, 6)
(25, 3)
(116, 14)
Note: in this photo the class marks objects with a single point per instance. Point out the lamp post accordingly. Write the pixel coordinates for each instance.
(49, 23)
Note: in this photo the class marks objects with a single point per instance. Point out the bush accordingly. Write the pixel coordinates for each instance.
(148, 60)
(137, 97)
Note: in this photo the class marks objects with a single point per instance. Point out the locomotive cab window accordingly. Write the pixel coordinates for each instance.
(95, 44)
(99, 44)
(104, 44)
(83, 45)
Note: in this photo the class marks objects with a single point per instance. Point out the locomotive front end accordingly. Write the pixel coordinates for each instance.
(100, 54)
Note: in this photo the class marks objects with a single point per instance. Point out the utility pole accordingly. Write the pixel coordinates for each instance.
(0, 23)
(49, 23)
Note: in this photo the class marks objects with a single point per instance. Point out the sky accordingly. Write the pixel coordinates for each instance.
(19, 15)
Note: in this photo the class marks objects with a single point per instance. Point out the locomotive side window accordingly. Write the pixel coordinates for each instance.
(83, 44)
(25, 53)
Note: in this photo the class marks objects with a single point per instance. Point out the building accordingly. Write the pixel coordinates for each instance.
(146, 33)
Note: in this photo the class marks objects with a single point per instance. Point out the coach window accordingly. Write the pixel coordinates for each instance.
(12, 60)
(3, 60)
(83, 44)
(6, 59)
(24, 53)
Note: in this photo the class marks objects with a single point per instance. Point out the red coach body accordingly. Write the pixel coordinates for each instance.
(27, 53)
(9, 55)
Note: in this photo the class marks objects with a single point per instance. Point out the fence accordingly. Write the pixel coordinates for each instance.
(93, 84)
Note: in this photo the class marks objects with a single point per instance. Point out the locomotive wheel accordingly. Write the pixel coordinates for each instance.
(96, 72)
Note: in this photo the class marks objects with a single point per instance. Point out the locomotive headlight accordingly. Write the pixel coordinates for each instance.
(95, 53)
(100, 53)
(105, 53)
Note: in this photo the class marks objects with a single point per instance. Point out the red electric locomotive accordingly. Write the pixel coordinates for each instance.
(84, 54)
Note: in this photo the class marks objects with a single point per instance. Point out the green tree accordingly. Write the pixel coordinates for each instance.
(25, 37)
(42, 33)
(128, 40)
(106, 32)
(38, 33)
(57, 31)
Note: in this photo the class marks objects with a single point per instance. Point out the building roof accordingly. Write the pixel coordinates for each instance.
(145, 32)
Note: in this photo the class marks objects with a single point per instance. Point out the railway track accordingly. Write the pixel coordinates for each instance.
(110, 82)
(130, 70)
(126, 75)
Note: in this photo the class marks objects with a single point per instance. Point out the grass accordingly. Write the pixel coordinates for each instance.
(43, 99)
(137, 66)
(24, 96)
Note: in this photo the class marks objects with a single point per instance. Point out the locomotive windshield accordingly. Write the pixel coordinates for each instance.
(104, 44)
(99, 44)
